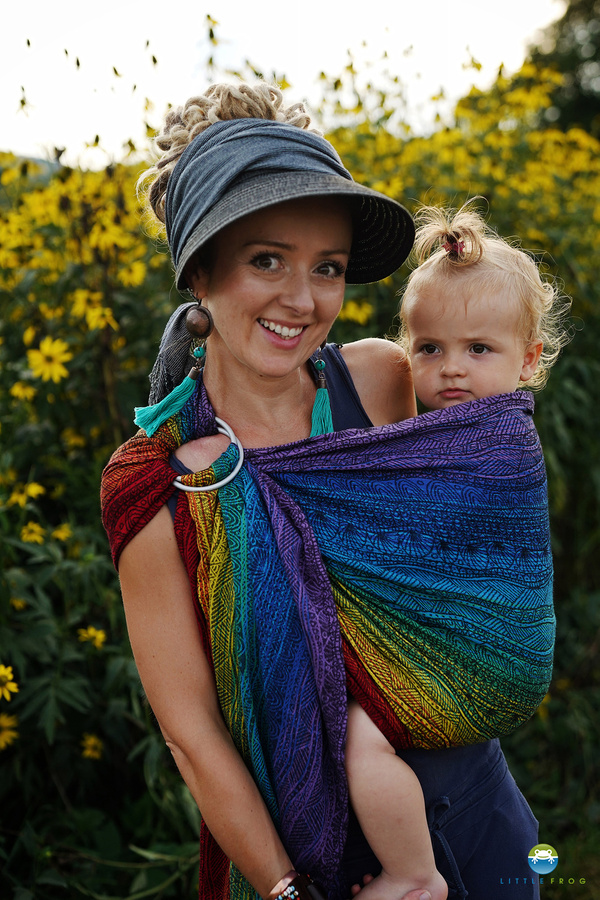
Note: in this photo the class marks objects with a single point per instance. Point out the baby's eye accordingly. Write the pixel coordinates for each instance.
(428, 349)
(479, 349)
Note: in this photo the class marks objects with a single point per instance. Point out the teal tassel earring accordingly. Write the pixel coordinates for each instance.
(199, 323)
(322, 422)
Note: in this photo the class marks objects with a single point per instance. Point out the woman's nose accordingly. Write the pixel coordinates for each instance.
(298, 293)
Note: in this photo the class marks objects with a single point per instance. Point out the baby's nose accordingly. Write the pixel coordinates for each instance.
(453, 364)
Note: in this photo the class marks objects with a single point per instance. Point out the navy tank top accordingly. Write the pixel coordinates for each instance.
(346, 409)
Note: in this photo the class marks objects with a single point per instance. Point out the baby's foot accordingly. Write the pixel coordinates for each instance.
(414, 895)
(387, 887)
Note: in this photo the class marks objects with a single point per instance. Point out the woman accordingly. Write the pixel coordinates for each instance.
(265, 227)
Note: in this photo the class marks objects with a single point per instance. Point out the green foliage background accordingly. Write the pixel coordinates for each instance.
(90, 803)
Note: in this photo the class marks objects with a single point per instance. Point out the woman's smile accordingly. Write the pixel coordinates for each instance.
(287, 332)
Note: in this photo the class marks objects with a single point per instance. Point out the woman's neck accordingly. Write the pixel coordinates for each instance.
(263, 411)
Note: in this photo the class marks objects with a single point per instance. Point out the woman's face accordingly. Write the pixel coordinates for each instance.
(276, 284)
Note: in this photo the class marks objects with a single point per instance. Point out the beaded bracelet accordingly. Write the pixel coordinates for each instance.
(300, 888)
(290, 891)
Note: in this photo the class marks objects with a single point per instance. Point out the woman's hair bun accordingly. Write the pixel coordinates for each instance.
(221, 103)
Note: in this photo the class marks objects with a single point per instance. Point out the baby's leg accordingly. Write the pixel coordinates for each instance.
(388, 802)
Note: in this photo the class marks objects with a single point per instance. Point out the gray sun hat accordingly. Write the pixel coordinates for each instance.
(238, 167)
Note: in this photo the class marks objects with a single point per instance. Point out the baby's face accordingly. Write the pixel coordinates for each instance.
(465, 349)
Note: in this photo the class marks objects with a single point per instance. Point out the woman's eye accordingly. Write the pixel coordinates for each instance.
(331, 268)
(267, 262)
(479, 349)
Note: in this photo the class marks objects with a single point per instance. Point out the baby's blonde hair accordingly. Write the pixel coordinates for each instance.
(220, 103)
(460, 248)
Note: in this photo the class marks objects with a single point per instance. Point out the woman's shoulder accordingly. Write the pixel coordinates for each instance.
(135, 484)
(382, 376)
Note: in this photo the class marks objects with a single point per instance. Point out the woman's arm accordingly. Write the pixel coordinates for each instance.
(381, 374)
(180, 687)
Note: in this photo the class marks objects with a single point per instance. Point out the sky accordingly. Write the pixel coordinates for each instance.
(72, 70)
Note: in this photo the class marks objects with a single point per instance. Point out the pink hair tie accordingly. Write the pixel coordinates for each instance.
(454, 247)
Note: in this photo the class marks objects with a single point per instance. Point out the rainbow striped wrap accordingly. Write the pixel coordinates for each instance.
(408, 566)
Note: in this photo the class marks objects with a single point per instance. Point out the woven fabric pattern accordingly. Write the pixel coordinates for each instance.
(409, 565)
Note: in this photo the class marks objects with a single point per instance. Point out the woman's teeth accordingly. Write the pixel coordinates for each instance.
(281, 330)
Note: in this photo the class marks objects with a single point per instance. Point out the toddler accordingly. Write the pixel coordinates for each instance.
(476, 320)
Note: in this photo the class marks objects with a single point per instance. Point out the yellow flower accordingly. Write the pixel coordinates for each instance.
(83, 299)
(7, 730)
(92, 746)
(133, 275)
(47, 362)
(88, 305)
(32, 533)
(9, 175)
(7, 685)
(49, 313)
(100, 317)
(352, 311)
(33, 489)
(29, 335)
(62, 533)
(8, 477)
(17, 603)
(72, 439)
(18, 497)
(95, 636)
(22, 391)
(21, 493)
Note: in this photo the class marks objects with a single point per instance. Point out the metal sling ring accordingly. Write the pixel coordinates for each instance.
(222, 428)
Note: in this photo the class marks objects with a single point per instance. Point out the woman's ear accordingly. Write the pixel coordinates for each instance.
(531, 359)
(197, 280)
(198, 268)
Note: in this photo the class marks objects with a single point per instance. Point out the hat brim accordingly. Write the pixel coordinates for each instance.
(383, 230)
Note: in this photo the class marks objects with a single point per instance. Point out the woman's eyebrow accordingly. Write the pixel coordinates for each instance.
(284, 246)
(272, 243)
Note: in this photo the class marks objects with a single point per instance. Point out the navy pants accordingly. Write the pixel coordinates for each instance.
(481, 826)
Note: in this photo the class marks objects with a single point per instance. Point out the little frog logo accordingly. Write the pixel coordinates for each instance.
(543, 859)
